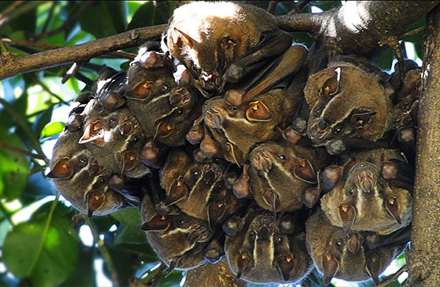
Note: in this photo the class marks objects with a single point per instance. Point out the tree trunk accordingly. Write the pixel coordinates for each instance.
(425, 243)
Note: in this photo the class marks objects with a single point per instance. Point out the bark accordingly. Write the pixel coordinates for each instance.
(425, 243)
(11, 65)
(358, 27)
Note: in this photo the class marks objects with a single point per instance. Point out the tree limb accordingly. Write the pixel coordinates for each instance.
(357, 27)
(79, 53)
(424, 263)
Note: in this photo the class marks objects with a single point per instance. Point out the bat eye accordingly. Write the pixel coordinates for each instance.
(258, 111)
(279, 239)
(337, 131)
(318, 111)
(331, 86)
(352, 191)
(252, 235)
(82, 160)
(232, 108)
(165, 87)
(282, 157)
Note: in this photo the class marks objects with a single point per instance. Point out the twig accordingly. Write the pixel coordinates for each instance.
(20, 151)
(24, 125)
(11, 8)
(67, 23)
(117, 54)
(49, 17)
(393, 277)
(104, 251)
(14, 13)
(46, 88)
(71, 72)
(80, 53)
(6, 214)
(413, 32)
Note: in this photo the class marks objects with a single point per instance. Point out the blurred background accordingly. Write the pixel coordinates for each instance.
(53, 245)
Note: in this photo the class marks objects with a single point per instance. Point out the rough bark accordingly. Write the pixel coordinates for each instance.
(11, 65)
(425, 242)
(358, 27)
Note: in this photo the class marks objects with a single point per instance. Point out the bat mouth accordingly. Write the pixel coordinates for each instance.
(318, 132)
(210, 83)
(214, 117)
(261, 160)
(364, 175)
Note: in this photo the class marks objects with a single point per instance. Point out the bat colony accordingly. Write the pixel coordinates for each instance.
(232, 149)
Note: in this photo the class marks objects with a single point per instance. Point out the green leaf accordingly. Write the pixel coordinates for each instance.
(111, 19)
(128, 216)
(52, 129)
(44, 249)
(14, 167)
(146, 15)
(84, 274)
(42, 121)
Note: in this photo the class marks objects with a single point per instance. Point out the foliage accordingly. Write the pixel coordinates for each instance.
(42, 240)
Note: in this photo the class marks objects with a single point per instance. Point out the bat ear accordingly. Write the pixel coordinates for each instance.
(331, 86)
(257, 111)
(304, 171)
(243, 262)
(94, 202)
(178, 191)
(360, 118)
(330, 266)
(157, 223)
(216, 210)
(285, 264)
(373, 267)
(347, 213)
(164, 129)
(182, 36)
(392, 207)
(352, 242)
(62, 169)
(92, 132)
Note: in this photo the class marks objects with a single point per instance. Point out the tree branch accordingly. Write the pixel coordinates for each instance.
(79, 53)
(20, 151)
(424, 263)
(358, 26)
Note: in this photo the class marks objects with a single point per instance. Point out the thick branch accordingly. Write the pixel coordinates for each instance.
(79, 53)
(425, 242)
(358, 26)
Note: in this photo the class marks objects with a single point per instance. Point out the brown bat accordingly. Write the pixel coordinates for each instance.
(198, 188)
(261, 248)
(369, 183)
(81, 180)
(165, 110)
(117, 139)
(349, 107)
(178, 239)
(225, 43)
(345, 256)
(283, 177)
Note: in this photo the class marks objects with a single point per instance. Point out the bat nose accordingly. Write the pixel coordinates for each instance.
(264, 232)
